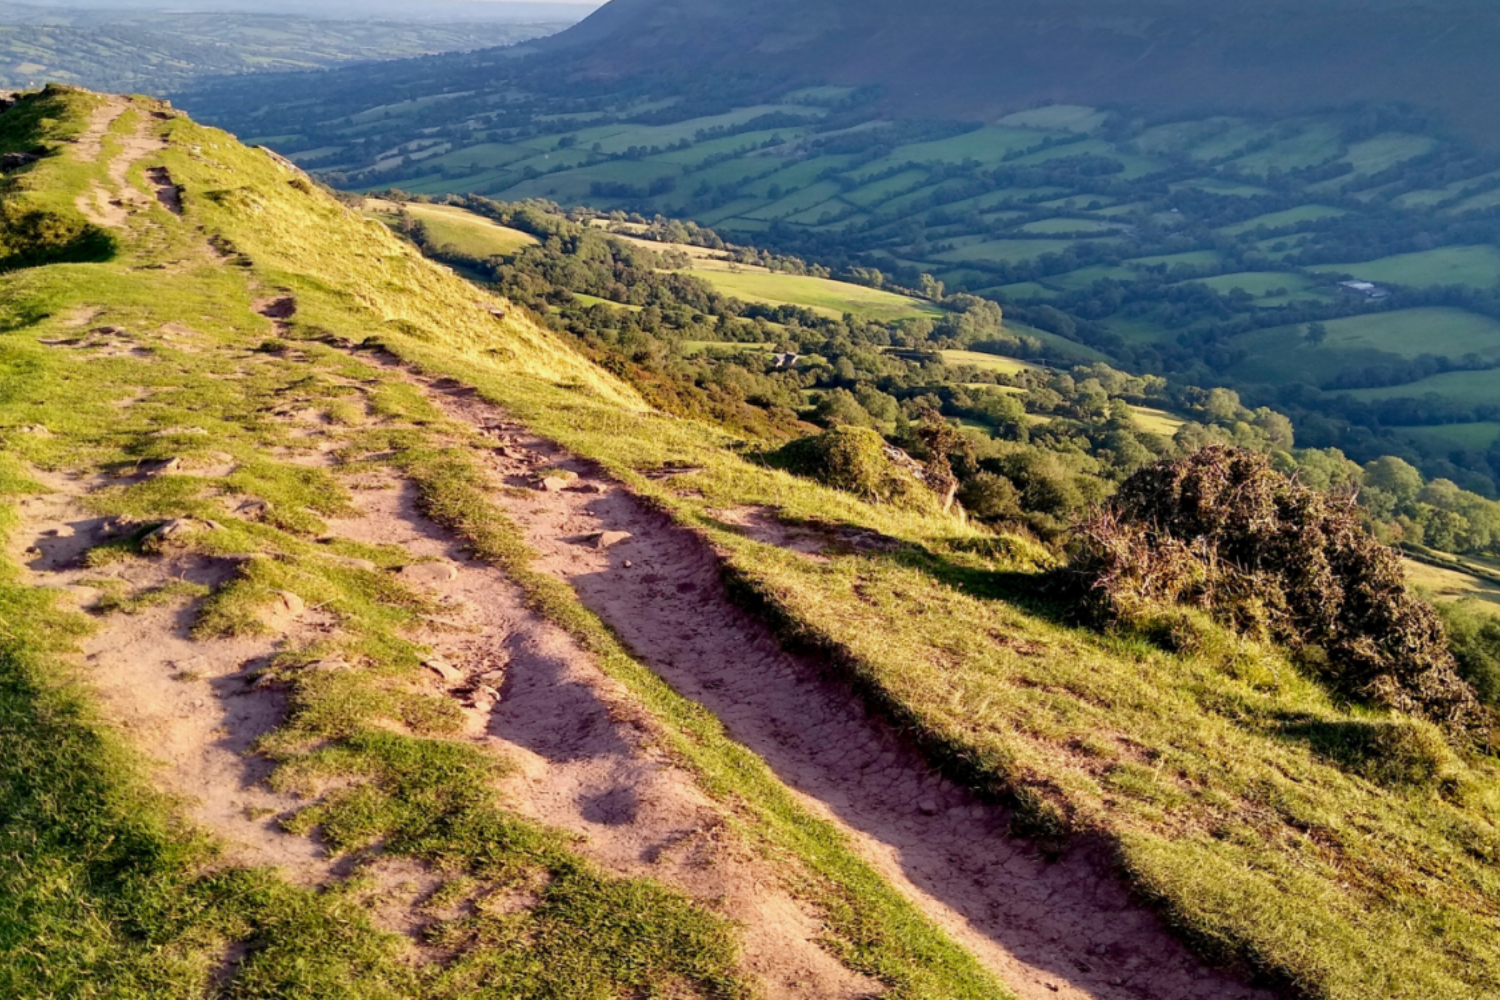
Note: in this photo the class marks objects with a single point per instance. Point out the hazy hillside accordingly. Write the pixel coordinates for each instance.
(979, 58)
(157, 50)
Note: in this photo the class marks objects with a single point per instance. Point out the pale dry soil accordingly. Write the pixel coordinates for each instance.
(589, 761)
(1048, 928)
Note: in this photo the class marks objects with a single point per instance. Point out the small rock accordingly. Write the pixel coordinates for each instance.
(430, 573)
(447, 671)
(287, 603)
(62, 531)
(255, 510)
(355, 563)
(484, 698)
(328, 666)
(170, 467)
(594, 488)
(36, 429)
(927, 807)
(493, 678)
(629, 564)
(553, 484)
(609, 539)
(176, 529)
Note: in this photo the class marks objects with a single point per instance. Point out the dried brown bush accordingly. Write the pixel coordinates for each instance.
(1223, 531)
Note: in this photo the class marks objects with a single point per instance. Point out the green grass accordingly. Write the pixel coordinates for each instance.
(822, 295)
(1475, 266)
(1004, 251)
(1476, 436)
(470, 234)
(1155, 421)
(1059, 117)
(1284, 220)
(989, 362)
(1385, 151)
(1471, 388)
(1283, 353)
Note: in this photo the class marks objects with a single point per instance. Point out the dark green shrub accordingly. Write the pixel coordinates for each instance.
(858, 460)
(1225, 532)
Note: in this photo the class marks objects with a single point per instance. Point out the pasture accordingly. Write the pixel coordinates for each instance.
(1289, 219)
(1154, 421)
(1471, 388)
(469, 234)
(986, 362)
(821, 295)
(1476, 266)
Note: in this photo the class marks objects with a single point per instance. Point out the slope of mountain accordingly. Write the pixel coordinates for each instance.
(360, 638)
(971, 59)
(160, 50)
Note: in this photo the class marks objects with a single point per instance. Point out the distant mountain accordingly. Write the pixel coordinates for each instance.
(967, 58)
(156, 50)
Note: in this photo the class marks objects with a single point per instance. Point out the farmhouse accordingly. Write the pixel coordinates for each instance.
(1367, 289)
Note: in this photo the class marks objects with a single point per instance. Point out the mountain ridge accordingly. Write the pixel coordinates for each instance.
(956, 58)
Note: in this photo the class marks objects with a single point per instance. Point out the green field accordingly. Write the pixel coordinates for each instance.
(1155, 421)
(1474, 388)
(821, 295)
(1059, 117)
(989, 362)
(1385, 151)
(1284, 220)
(1004, 251)
(1476, 266)
(1475, 436)
(1261, 284)
(1377, 338)
(470, 234)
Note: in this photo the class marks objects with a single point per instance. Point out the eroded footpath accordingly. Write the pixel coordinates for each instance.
(1048, 928)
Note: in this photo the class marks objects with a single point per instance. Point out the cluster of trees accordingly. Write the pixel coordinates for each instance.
(1036, 448)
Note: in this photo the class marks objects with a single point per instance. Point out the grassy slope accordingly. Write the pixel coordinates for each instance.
(1230, 786)
(469, 233)
(102, 892)
(1223, 779)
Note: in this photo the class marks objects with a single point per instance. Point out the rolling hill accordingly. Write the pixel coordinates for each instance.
(361, 637)
(971, 59)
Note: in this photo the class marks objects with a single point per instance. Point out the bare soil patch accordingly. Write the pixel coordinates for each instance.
(191, 706)
(588, 757)
(1066, 928)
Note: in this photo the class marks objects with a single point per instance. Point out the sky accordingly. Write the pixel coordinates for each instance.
(387, 9)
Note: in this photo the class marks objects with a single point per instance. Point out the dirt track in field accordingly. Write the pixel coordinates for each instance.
(1048, 928)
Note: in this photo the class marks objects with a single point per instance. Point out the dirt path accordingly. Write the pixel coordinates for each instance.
(191, 707)
(589, 760)
(111, 206)
(1049, 929)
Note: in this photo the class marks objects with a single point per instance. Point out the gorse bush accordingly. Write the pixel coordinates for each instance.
(1223, 531)
(859, 461)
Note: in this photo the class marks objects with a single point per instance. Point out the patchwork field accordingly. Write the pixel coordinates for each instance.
(1475, 266)
(470, 234)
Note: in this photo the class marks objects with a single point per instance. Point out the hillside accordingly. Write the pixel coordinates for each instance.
(160, 50)
(361, 637)
(1207, 240)
(968, 59)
